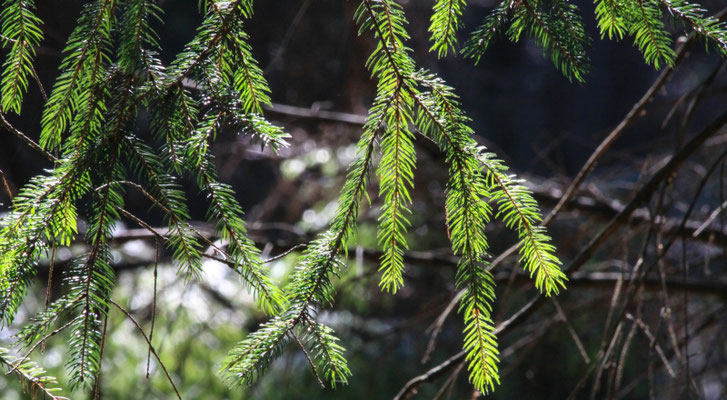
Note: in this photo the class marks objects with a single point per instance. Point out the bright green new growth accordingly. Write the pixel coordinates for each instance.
(90, 119)
(557, 29)
(446, 21)
(408, 98)
(110, 73)
(21, 31)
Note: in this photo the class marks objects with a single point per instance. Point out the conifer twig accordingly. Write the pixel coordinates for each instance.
(97, 385)
(285, 253)
(153, 351)
(38, 343)
(153, 304)
(634, 114)
(538, 300)
(6, 186)
(32, 375)
(310, 362)
(30, 142)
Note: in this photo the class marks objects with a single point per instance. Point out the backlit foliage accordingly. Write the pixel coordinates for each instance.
(35, 383)
(110, 73)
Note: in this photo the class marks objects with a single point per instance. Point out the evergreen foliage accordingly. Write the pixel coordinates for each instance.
(35, 383)
(21, 29)
(111, 72)
(558, 30)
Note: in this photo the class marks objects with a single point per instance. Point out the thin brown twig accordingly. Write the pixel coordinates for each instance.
(585, 254)
(436, 327)
(159, 360)
(609, 343)
(581, 382)
(712, 318)
(666, 309)
(717, 212)
(35, 146)
(693, 229)
(604, 355)
(35, 346)
(571, 331)
(139, 222)
(430, 375)
(449, 382)
(43, 93)
(310, 361)
(536, 331)
(6, 186)
(652, 340)
(285, 253)
(636, 285)
(622, 359)
(699, 95)
(97, 386)
(153, 305)
(32, 67)
(140, 189)
(157, 234)
(685, 308)
(51, 263)
(321, 115)
(634, 114)
(33, 380)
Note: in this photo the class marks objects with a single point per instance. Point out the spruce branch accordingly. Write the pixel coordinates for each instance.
(227, 211)
(311, 280)
(313, 367)
(19, 26)
(30, 142)
(327, 353)
(468, 214)
(558, 31)
(170, 198)
(35, 382)
(229, 93)
(44, 210)
(516, 205)
(612, 19)
(97, 280)
(87, 50)
(251, 357)
(42, 340)
(467, 210)
(649, 34)
(445, 22)
(247, 77)
(95, 276)
(136, 34)
(396, 174)
(41, 323)
(481, 38)
(709, 27)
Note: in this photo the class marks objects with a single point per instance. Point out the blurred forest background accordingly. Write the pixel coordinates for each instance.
(644, 317)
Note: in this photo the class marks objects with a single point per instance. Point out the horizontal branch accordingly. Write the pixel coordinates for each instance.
(299, 112)
(315, 114)
(669, 226)
(592, 280)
